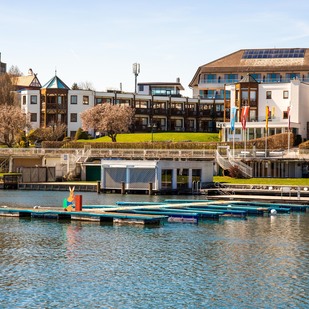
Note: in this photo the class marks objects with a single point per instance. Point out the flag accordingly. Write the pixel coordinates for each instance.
(289, 118)
(244, 116)
(267, 116)
(233, 118)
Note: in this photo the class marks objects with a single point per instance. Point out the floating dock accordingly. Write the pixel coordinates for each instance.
(155, 214)
(109, 218)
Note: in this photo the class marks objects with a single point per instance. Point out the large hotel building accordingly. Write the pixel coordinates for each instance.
(253, 78)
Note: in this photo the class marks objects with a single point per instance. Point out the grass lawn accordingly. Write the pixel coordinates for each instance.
(159, 137)
(264, 181)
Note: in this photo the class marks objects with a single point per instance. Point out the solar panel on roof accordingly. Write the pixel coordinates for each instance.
(273, 53)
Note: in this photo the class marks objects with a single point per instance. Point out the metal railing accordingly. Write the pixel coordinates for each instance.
(224, 163)
(81, 154)
(244, 168)
(260, 80)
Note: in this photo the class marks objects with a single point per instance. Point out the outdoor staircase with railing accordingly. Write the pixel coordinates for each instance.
(244, 168)
(73, 162)
(228, 161)
(4, 165)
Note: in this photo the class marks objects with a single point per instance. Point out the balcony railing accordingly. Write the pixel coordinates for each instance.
(260, 80)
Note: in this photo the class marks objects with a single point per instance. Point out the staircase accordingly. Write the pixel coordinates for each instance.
(4, 165)
(72, 162)
(225, 160)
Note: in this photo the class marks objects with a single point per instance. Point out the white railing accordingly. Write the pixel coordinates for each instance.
(244, 168)
(77, 154)
(225, 164)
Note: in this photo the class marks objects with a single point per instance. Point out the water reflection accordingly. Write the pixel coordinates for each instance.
(261, 262)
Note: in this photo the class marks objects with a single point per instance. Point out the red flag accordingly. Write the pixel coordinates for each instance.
(244, 116)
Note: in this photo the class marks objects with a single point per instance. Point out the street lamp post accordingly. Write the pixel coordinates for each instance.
(214, 130)
(152, 126)
(136, 71)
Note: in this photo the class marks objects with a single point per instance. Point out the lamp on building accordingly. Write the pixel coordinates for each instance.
(136, 71)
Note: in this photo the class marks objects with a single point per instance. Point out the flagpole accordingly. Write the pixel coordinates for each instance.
(266, 135)
(266, 128)
(244, 130)
(289, 126)
(233, 143)
(288, 140)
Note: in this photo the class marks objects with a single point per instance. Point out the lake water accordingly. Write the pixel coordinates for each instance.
(262, 262)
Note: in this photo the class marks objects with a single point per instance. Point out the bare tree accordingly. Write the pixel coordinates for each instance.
(15, 71)
(85, 86)
(7, 94)
(14, 121)
(111, 119)
(53, 133)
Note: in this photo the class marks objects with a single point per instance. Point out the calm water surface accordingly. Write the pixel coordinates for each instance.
(262, 262)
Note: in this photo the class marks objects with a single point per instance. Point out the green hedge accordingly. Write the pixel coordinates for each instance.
(274, 142)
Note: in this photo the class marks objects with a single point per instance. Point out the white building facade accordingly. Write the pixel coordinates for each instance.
(288, 111)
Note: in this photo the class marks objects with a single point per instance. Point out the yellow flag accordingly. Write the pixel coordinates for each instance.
(267, 115)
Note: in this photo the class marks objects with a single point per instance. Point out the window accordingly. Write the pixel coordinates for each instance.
(268, 94)
(210, 78)
(285, 94)
(285, 115)
(98, 100)
(73, 117)
(257, 77)
(33, 117)
(290, 76)
(273, 77)
(24, 100)
(33, 99)
(142, 104)
(231, 78)
(85, 100)
(73, 99)
(140, 87)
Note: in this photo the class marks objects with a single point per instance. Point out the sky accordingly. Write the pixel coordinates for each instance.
(97, 41)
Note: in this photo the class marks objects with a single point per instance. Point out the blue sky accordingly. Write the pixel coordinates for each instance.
(98, 41)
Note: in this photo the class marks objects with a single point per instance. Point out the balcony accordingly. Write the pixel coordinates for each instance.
(220, 84)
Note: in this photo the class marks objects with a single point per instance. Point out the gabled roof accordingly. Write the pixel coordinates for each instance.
(55, 83)
(248, 79)
(257, 60)
(28, 81)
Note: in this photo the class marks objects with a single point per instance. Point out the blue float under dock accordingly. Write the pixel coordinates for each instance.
(291, 207)
(173, 216)
(145, 219)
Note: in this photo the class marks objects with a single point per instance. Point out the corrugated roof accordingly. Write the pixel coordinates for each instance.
(55, 83)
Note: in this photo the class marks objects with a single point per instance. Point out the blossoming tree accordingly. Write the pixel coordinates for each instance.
(108, 118)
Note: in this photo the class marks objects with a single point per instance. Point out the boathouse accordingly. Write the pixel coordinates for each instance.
(155, 176)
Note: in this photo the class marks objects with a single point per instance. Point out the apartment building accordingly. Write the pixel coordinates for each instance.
(256, 78)
(56, 103)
